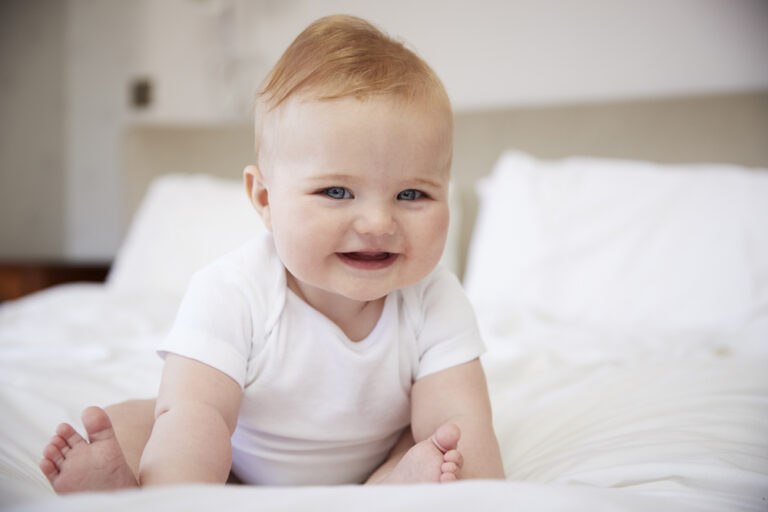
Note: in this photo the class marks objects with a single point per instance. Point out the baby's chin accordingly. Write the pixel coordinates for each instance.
(362, 289)
(373, 293)
(362, 297)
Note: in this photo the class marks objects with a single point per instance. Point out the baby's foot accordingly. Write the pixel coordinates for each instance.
(432, 460)
(73, 464)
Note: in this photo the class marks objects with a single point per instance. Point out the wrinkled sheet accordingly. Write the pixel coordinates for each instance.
(681, 432)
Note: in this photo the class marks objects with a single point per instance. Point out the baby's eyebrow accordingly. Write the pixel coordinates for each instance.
(349, 178)
(332, 177)
(426, 182)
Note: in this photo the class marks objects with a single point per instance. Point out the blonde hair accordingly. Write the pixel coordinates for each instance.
(343, 56)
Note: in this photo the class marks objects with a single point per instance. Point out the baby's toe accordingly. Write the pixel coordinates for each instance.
(49, 469)
(59, 443)
(446, 437)
(449, 467)
(53, 453)
(97, 424)
(70, 436)
(448, 477)
(454, 456)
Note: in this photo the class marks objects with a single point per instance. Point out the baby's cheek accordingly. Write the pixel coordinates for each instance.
(431, 242)
(439, 228)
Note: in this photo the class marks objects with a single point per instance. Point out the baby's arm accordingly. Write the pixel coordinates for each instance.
(459, 395)
(195, 416)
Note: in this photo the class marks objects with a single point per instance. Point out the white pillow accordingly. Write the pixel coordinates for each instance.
(621, 247)
(186, 221)
(183, 223)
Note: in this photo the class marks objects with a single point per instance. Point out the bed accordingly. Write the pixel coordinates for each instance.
(617, 258)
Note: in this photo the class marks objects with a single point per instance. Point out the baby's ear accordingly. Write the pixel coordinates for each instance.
(257, 193)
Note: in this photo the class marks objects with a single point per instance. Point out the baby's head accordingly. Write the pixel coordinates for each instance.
(346, 57)
(354, 139)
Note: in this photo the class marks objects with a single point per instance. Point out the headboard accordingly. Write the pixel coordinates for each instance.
(730, 128)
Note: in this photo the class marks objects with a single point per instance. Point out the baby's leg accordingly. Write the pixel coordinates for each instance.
(110, 459)
(436, 459)
(132, 421)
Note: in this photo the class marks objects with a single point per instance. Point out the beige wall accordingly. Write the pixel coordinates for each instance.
(32, 128)
(101, 40)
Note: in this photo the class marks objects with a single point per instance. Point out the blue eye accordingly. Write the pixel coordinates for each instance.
(337, 193)
(410, 195)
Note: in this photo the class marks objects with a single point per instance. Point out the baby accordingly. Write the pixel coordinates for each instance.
(331, 350)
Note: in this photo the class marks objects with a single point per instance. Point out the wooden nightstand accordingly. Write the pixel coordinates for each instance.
(22, 278)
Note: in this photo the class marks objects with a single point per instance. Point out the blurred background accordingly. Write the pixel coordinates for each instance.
(75, 74)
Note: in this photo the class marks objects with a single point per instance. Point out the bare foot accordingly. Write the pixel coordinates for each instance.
(432, 460)
(73, 464)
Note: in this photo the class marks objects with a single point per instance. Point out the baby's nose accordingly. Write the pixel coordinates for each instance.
(376, 221)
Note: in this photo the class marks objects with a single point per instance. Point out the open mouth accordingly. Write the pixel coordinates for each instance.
(368, 260)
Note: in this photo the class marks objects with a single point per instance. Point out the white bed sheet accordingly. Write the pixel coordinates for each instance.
(485, 495)
(686, 433)
(691, 429)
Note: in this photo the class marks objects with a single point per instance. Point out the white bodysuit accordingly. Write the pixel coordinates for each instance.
(317, 408)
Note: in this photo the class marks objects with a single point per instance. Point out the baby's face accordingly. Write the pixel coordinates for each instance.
(357, 194)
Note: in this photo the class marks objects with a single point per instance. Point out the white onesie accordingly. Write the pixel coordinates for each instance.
(317, 408)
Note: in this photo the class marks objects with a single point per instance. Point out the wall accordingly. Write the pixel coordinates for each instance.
(32, 129)
(489, 53)
(553, 51)
(204, 58)
(101, 56)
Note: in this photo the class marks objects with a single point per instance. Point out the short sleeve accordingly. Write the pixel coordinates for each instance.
(449, 334)
(214, 323)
